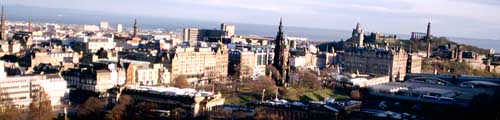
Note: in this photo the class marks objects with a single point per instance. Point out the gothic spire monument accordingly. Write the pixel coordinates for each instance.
(281, 55)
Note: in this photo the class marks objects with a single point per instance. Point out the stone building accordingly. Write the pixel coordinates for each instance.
(380, 38)
(371, 60)
(242, 63)
(414, 64)
(94, 77)
(200, 64)
(147, 74)
(55, 57)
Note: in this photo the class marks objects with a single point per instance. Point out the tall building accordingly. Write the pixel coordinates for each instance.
(358, 35)
(104, 25)
(191, 35)
(381, 61)
(119, 28)
(281, 55)
(30, 28)
(228, 30)
(3, 26)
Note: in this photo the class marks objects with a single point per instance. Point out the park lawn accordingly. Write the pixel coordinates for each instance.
(313, 94)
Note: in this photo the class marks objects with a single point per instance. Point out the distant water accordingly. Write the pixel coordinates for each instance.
(482, 43)
(70, 16)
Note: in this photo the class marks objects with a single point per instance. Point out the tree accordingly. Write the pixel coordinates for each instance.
(118, 112)
(92, 109)
(261, 114)
(40, 107)
(309, 79)
(9, 111)
(181, 82)
(274, 71)
(261, 83)
(142, 111)
(179, 113)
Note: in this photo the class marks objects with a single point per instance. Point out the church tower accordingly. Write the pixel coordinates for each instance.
(281, 55)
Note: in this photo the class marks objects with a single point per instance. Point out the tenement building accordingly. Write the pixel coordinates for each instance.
(371, 60)
(94, 77)
(200, 64)
(242, 63)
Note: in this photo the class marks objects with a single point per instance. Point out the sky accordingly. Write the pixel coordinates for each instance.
(457, 18)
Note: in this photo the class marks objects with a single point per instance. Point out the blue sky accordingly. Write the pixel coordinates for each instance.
(460, 18)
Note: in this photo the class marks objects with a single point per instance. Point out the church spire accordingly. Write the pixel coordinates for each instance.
(135, 28)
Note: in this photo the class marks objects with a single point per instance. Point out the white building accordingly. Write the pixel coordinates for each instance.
(104, 25)
(90, 28)
(119, 28)
(20, 90)
(94, 43)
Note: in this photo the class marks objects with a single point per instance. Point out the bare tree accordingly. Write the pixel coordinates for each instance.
(93, 108)
(40, 107)
(309, 79)
(261, 114)
(261, 83)
(181, 82)
(9, 111)
(118, 112)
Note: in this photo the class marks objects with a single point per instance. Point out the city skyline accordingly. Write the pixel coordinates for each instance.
(449, 17)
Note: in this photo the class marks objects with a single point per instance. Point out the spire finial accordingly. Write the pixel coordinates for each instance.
(135, 28)
(281, 24)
